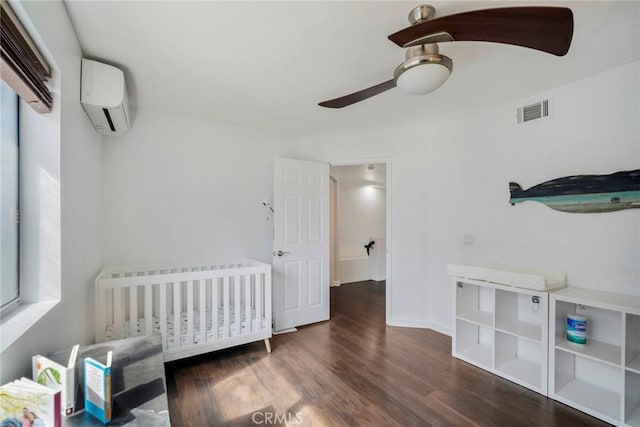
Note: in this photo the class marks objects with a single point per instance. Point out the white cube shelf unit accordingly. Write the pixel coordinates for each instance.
(601, 377)
(503, 330)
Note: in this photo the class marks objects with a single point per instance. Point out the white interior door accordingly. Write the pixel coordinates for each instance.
(301, 243)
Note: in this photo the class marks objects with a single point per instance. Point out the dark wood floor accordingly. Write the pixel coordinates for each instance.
(353, 370)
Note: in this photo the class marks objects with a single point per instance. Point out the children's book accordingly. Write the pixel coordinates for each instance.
(58, 377)
(97, 388)
(25, 402)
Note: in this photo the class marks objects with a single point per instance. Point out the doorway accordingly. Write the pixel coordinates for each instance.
(359, 224)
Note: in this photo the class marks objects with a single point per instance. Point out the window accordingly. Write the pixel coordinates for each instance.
(30, 268)
(9, 198)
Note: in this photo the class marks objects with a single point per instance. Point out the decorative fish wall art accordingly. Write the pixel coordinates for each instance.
(584, 193)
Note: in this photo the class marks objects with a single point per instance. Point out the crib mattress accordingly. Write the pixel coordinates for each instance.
(139, 327)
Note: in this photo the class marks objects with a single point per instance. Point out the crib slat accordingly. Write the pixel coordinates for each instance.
(203, 312)
(148, 311)
(259, 285)
(247, 303)
(163, 315)
(109, 303)
(225, 299)
(101, 316)
(190, 286)
(118, 313)
(267, 301)
(214, 308)
(109, 293)
(236, 304)
(133, 310)
(155, 297)
(177, 309)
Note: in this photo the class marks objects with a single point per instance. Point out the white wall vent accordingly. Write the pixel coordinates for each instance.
(539, 110)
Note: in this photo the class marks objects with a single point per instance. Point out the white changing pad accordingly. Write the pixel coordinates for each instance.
(511, 276)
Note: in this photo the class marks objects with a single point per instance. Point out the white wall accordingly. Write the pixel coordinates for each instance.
(452, 178)
(178, 189)
(361, 216)
(74, 172)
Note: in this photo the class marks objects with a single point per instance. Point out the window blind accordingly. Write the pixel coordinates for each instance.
(23, 67)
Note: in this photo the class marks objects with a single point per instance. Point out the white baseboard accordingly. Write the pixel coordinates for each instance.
(424, 324)
(284, 331)
(336, 283)
(378, 278)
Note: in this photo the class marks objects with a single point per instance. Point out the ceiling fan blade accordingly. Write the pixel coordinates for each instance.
(548, 29)
(361, 95)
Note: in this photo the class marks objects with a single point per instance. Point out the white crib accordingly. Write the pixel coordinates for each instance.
(195, 309)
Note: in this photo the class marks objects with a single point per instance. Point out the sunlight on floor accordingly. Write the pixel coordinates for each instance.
(311, 417)
(248, 392)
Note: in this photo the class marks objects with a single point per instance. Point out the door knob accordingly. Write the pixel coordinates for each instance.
(280, 253)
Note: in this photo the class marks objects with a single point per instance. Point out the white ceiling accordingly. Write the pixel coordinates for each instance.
(267, 64)
(361, 174)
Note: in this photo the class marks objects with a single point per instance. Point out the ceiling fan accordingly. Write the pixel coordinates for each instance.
(547, 29)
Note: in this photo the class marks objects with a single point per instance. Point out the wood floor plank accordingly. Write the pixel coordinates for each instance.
(443, 415)
(353, 370)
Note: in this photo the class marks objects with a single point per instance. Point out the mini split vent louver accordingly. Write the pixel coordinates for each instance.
(539, 110)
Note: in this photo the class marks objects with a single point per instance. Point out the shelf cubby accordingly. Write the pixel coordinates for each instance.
(474, 303)
(632, 339)
(519, 315)
(519, 359)
(632, 399)
(474, 343)
(602, 344)
(588, 385)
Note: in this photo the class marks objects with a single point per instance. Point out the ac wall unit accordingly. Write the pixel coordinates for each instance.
(104, 97)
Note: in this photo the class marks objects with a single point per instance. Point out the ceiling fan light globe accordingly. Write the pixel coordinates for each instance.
(422, 78)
